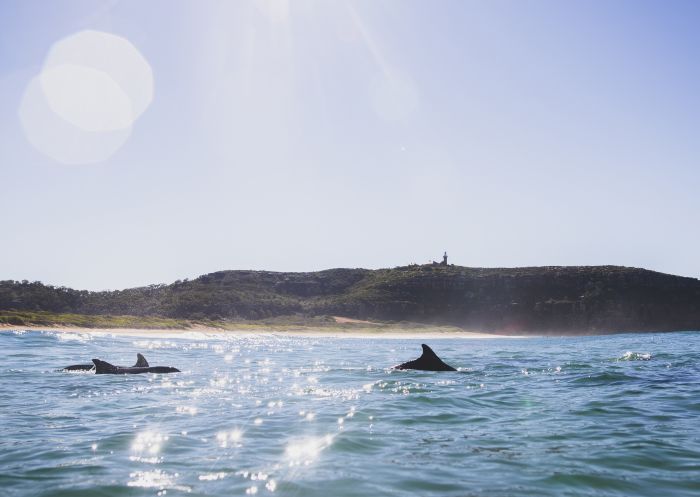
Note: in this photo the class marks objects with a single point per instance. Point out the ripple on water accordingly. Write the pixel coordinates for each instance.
(315, 417)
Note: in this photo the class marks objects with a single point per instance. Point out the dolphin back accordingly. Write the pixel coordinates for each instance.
(102, 367)
(141, 362)
(162, 369)
(79, 367)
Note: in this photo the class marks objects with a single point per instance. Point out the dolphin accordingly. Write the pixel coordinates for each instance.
(141, 362)
(428, 361)
(102, 367)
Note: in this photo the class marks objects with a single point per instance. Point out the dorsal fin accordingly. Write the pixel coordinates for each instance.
(428, 361)
(141, 361)
(428, 353)
(102, 367)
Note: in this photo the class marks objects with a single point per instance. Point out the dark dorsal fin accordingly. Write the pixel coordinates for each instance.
(428, 361)
(102, 367)
(428, 353)
(141, 361)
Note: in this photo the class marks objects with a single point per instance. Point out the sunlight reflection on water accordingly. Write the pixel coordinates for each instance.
(317, 416)
(307, 450)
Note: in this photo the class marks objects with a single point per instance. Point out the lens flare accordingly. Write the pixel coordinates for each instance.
(81, 107)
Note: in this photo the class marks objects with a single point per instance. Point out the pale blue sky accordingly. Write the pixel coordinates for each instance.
(365, 134)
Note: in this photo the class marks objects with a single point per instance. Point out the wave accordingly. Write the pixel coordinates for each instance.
(635, 356)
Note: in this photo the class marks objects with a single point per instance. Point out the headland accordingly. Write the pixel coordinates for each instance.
(551, 300)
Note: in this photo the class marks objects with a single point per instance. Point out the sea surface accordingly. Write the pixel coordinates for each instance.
(273, 415)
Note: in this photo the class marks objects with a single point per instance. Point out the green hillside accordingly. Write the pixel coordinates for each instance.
(587, 299)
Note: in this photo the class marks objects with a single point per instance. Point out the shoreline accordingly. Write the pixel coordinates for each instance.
(292, 331)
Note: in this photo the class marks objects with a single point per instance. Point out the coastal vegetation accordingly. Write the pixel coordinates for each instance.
(37, 319)
(44, 318)
(585, 299)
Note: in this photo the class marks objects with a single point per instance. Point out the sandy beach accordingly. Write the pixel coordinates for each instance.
(200, 332)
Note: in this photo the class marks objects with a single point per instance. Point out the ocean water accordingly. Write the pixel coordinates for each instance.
(273, 415)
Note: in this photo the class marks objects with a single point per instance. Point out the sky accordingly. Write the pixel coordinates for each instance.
(306, 135)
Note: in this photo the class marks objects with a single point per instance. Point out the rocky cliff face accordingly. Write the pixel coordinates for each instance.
(600, 299)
